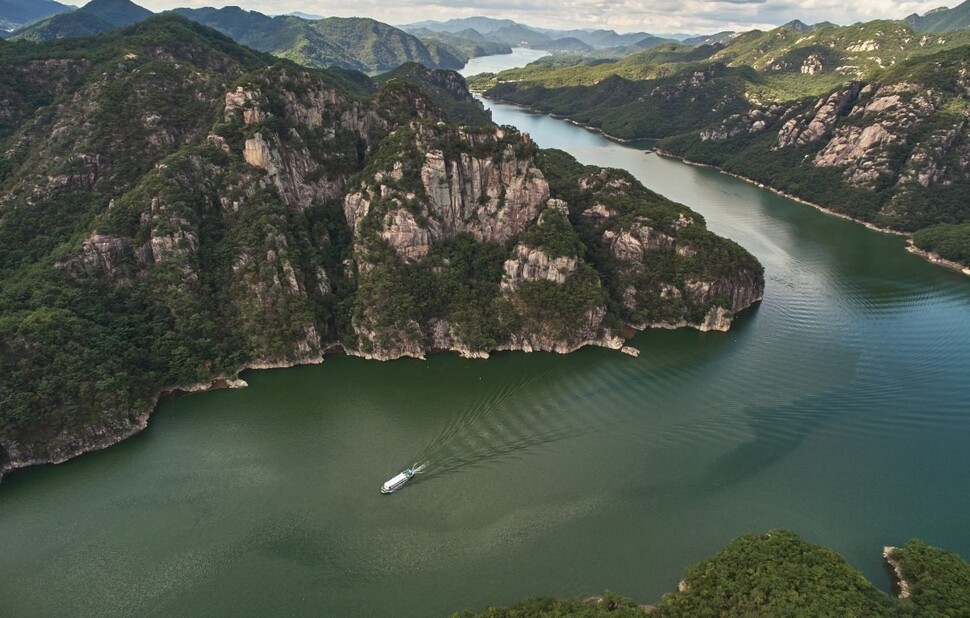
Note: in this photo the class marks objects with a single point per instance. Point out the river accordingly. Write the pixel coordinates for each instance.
(838, 408)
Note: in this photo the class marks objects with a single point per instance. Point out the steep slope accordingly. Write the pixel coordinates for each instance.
(888, 147)
(941, 19)
(16, 14)
(894, 151)
(174, 207)
(94, 17)
(468, 43)
(352, 43)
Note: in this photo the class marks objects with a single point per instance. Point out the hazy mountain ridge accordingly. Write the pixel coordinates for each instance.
(16, 14)
(942, 19)
(353, 43)
(512, 33)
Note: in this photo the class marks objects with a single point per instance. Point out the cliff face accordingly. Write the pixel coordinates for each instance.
(895, 153)
(173, 212)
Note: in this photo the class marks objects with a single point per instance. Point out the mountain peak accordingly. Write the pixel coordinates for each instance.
(116, 12)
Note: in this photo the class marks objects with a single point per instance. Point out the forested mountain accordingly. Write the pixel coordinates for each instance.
(466, 43)
(349, 42)
(868, 120)
(94, 17)
(16, 14)
(508, 32)
(175, 207)
(942, 19)
(352, 43)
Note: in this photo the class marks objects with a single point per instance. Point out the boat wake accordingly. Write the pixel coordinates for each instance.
(511, 420)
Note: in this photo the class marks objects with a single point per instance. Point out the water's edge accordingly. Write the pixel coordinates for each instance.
(931, 257)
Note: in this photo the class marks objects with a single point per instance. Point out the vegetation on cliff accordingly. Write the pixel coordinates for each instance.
(869, 120)
(174, 206)
(780, 574)
(951, 242)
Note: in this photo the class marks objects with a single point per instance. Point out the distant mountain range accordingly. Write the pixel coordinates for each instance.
(16, 14)
(94, 17)
(514, 34)
(353, 43)
(941, 19)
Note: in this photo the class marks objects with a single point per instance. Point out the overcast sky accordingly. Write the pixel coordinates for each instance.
(655, 16)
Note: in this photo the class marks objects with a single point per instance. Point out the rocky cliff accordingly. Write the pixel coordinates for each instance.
(174, 208)
(892, 152)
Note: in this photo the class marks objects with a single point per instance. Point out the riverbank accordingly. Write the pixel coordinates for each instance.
(118, 430)
(926, 255)
(931, 257)
(534, 110)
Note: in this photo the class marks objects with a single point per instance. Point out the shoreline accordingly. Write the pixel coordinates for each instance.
(94, 439)
(929, 256)
(779, 192)
(534, 110)
(901, 583)
(99, 438)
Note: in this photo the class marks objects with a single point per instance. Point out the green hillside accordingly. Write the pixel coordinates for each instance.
(94, 17)
(352, 43)
(942, 19)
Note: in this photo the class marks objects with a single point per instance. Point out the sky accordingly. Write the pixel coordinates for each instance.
(654, 16)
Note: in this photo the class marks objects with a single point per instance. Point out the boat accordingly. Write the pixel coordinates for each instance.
(397, 481)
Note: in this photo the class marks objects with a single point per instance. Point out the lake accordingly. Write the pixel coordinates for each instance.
(838, 408)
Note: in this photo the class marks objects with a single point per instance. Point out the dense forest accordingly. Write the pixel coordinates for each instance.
(780, 574)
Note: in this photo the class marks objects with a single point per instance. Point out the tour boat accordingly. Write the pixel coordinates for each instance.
(397, 481)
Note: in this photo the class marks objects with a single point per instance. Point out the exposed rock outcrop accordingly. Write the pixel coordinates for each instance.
(805, 129)
(530, 264)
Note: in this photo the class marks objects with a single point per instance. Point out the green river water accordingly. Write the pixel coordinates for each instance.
(838, 408)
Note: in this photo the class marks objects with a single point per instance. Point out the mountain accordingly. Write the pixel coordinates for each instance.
(800, 27)
(175, 207)
(352, 43)
(515, 34)
(16, 14)
(518, 35)
(466, 43)
(941, 19)
(94, 17)
(302, 15)
(484, 25)
(600, 39)
(568, 44)
(709, 39)
(870, 120)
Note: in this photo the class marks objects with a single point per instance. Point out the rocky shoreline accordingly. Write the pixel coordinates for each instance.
(935, 258)
(926, 255)
(931, 257)
(903, 585)
(99, 438)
